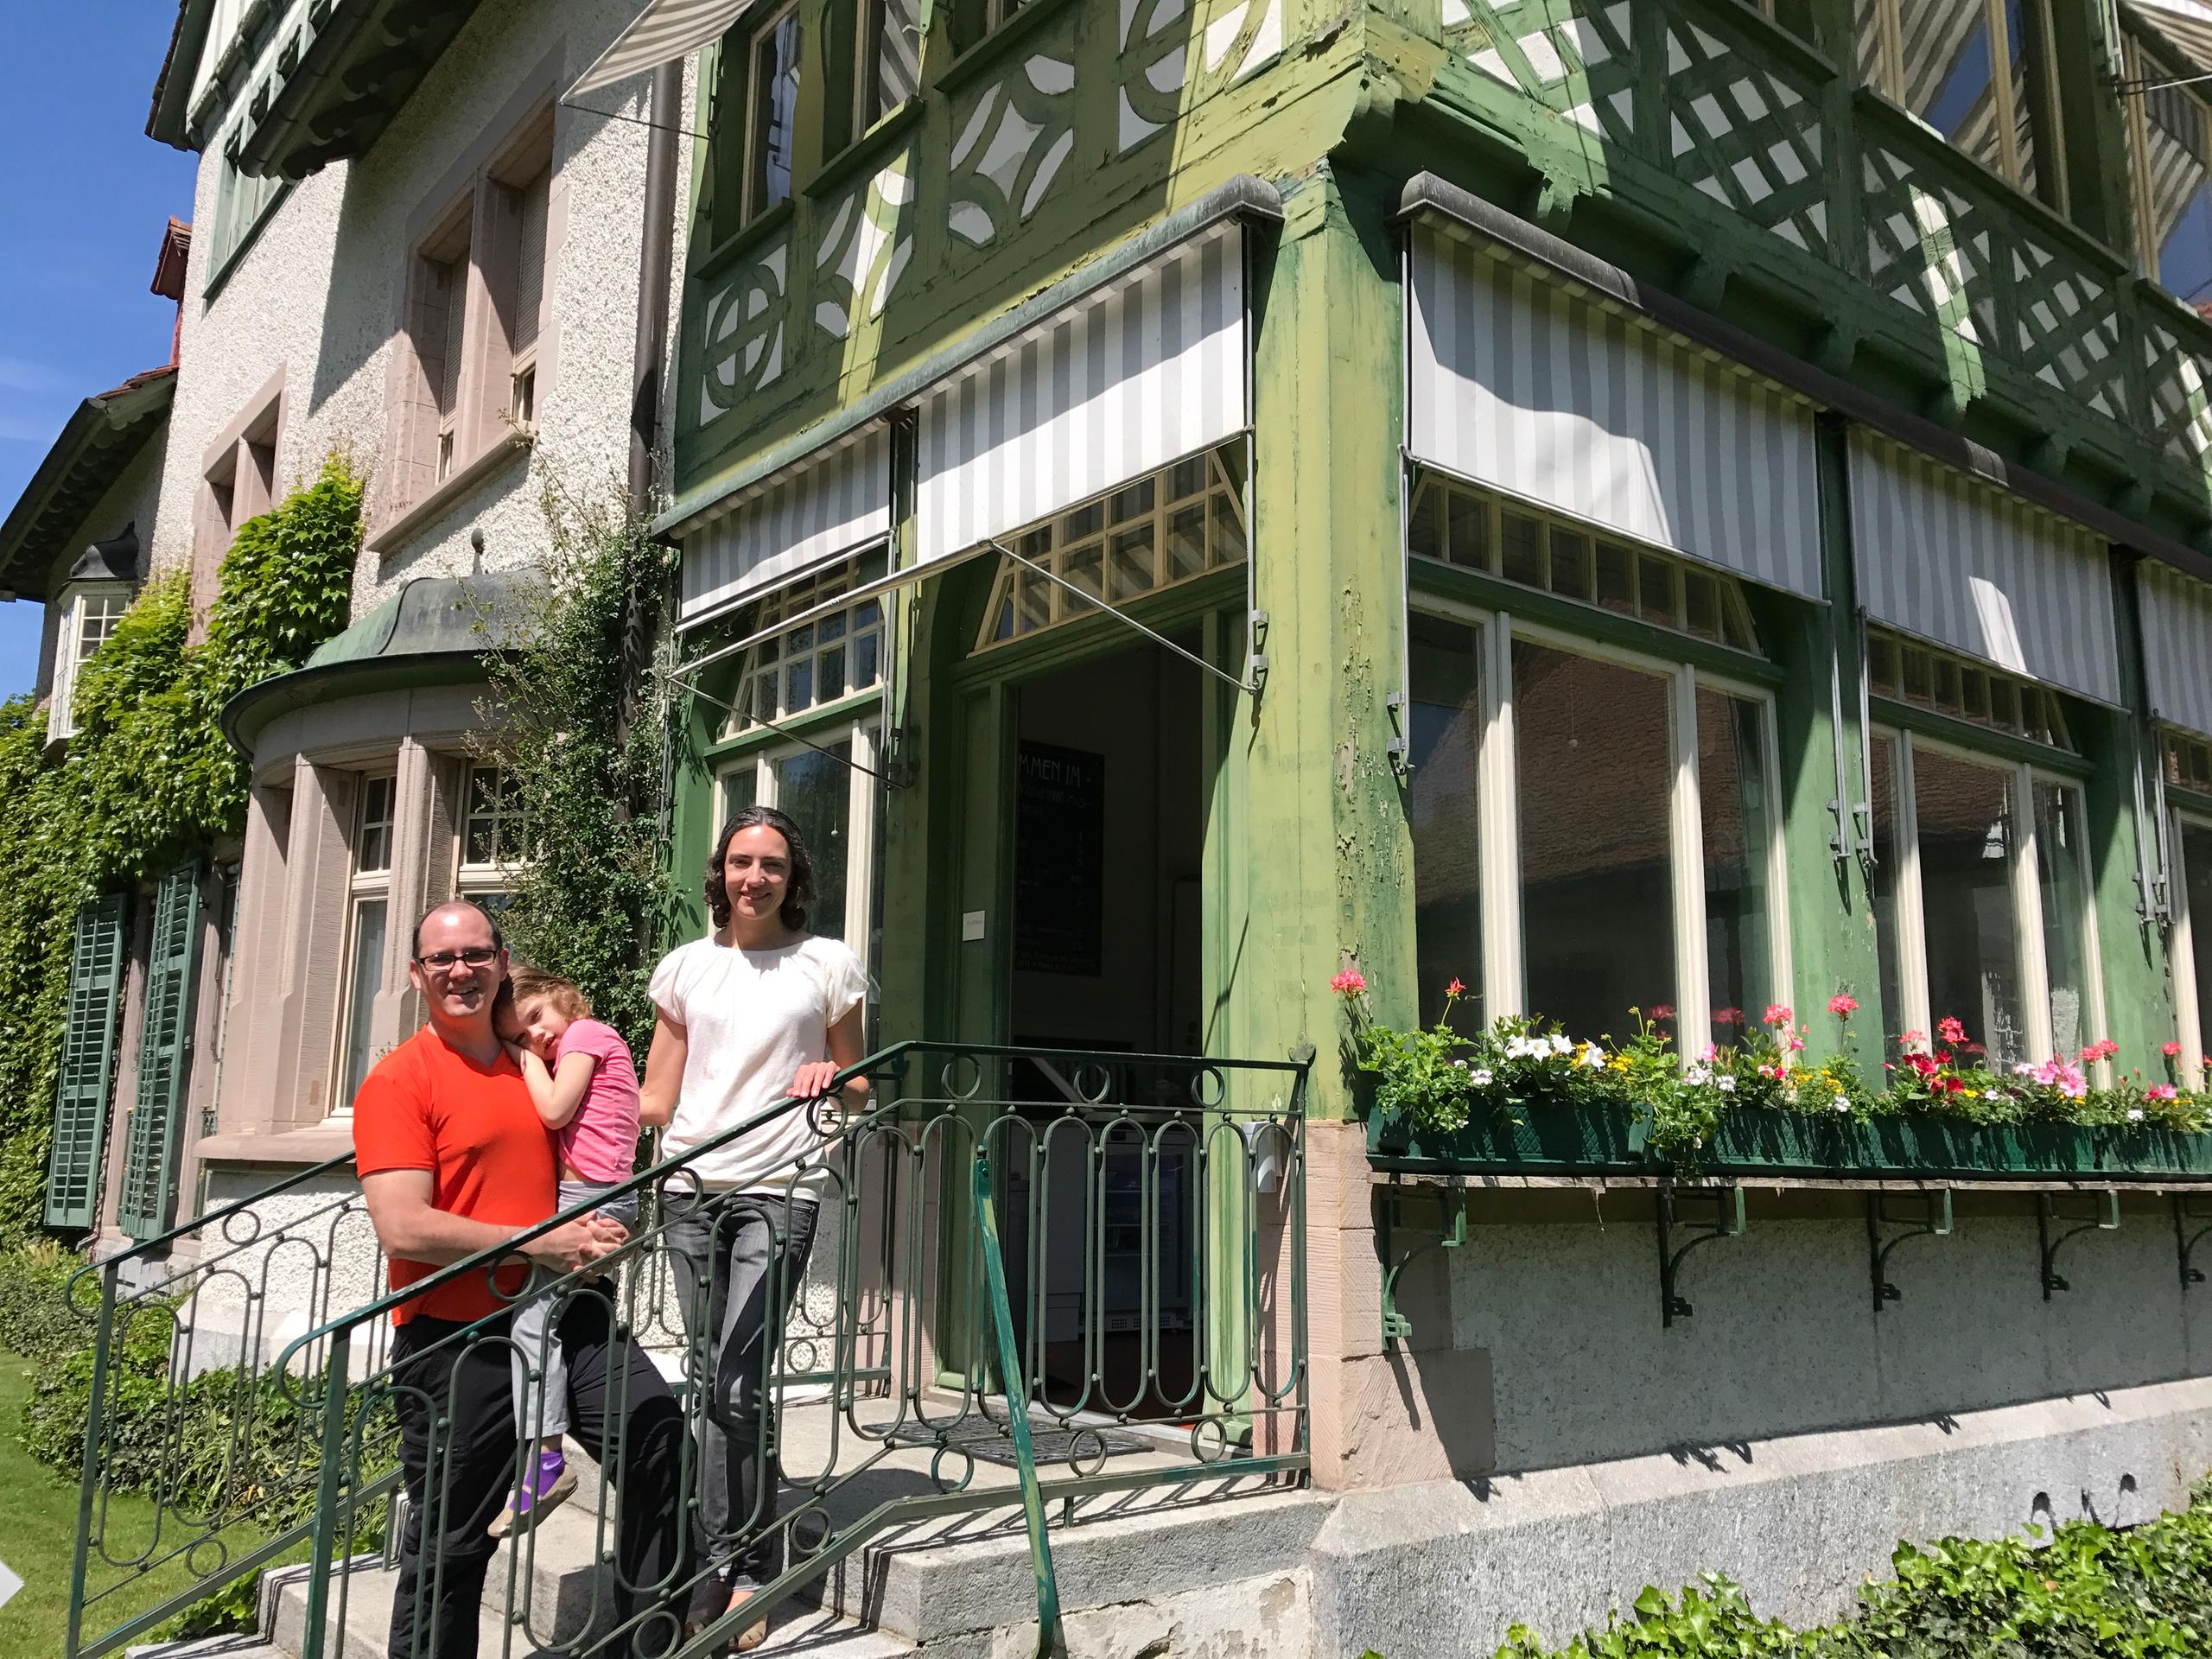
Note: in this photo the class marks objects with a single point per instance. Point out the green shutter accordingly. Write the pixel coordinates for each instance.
(72, 1174)
(149, 1157)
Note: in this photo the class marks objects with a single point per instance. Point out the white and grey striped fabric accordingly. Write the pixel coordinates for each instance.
(1115, 388)
(1518, 384)
(2177, 647)
(664, 30)
(2186, 23)
(831, 503)
(1965, 565)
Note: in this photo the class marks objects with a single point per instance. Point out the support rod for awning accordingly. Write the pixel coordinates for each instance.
(846, 761)
(1098, 604)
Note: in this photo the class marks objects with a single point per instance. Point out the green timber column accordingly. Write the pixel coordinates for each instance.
(2138, 1005)
(1320, 877)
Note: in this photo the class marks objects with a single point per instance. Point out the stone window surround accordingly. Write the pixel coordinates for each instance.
(238, 481)
(475, 204)
(296, 875)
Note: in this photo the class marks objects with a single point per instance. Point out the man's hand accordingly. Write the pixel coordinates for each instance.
(569, 1246)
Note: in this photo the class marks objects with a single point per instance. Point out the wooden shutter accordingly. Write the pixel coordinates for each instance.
(149, 1157)
(72, 1174)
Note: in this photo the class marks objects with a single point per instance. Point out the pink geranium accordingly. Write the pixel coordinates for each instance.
(1350, 983)
(2162, 1091)
(2171, 1051)
(2099, 1051)
(1950, 1030)
(1843, 1005)
(1778, 1014)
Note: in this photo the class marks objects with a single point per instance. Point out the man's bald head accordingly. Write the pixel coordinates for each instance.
(459, 912)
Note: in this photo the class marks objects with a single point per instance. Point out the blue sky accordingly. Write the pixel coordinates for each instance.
(84, 194)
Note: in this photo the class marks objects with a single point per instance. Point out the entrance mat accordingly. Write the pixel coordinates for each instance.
(1050, 1446)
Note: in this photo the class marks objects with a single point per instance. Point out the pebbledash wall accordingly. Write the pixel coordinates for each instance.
(1708, 192)
(296, 335)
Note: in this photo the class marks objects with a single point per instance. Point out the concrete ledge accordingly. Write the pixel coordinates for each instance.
(1444, 1569)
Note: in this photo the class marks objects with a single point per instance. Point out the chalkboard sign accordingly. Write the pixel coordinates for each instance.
(1059, 863)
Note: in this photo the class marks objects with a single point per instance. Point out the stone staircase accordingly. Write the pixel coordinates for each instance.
(1170, 1569)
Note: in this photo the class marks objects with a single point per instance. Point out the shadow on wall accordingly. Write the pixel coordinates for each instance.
(1785, 1340)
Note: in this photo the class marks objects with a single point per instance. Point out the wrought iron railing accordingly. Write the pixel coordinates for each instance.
(1038, 1277)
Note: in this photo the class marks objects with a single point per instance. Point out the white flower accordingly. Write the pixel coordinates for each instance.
(1560, 1045)
(1842, 1104)
(2135, 1114)
(1726, 1086)
(1695, 1075)
(1592, 1056)
(1462, 1064)
(1517, 1048)
(1480, 1076)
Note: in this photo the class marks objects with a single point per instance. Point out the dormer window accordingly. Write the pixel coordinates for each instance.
(90, 605)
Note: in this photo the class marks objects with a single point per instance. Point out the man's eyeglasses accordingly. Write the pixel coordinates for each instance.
(440, 962)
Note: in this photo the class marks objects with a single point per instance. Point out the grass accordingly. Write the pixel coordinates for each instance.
(38, 1537)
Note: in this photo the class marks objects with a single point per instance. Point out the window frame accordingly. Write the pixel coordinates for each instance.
(2046, 119)
(2141, 63)
(235, 229)
(2031, 963)
(799, 595)
(70, 655)
(871, 20)
(479, 881)
(363, 886)
(864, 732)
(753, 178)
(1498, 830)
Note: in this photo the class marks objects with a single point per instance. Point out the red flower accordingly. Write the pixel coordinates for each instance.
(1454, 988)
(2171, 1051)
(1950, 1030)
(1843, 1005)
(1350, 983)
(2100, 1050)
(1778, 1014)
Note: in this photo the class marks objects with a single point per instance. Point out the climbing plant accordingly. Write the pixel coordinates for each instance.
(576, 716)
(148, 778)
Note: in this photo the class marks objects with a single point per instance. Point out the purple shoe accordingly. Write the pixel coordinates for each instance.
(543, 1493)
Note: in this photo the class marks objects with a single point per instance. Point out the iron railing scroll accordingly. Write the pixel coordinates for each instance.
(1039, 1279)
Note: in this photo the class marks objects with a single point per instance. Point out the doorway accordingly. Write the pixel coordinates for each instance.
(1109, 792)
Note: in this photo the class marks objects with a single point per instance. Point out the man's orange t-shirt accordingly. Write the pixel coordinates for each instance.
(426, 1106)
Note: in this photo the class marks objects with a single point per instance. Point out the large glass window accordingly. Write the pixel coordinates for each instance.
(1976, 71)
(1736, 815)
(832, 655)
(1444, 805)
(891, 58)
(1983, 907)
(771, 110)
(2170, 135)
(835, 804)
(1593, 762)
(816, 789)
(367, 920)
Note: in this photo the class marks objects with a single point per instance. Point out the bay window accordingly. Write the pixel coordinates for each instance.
(89, 614)
(1983, 912)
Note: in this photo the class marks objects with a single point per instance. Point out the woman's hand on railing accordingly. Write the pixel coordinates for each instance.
(816, 1079)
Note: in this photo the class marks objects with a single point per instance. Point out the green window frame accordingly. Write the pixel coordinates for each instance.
(153, 1141)
(72, 1175)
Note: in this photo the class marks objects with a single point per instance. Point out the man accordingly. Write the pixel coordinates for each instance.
(455, 1161)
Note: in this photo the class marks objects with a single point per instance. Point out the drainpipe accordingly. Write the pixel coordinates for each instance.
(656, 255)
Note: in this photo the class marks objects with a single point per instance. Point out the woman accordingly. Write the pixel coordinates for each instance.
(759, 1011)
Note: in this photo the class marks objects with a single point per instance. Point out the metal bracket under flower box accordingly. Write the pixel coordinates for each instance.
(1727, 1201)
(1452, 1233)
(2105, 1220)
(2185, 1243)
(1933, 1221)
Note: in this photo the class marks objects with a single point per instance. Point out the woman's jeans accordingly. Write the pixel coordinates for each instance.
(739, 1262)
(535, 1356)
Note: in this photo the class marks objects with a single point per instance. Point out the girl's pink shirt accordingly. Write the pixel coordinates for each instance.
(600, 1141)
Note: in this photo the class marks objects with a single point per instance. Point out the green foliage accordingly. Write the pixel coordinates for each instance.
(582, 731)
(2090, 1592)
(36, 1319)
(148, 778)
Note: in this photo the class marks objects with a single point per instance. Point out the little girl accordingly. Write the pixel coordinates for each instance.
(585, 1086)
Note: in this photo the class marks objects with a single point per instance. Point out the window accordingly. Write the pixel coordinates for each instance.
(834, 656)
(834, 809)
(1164, 529)
(2169, 143)
(771, 111)
(1594, 832)
(238, 483)
(1966, 689)
(1979, 72)
(471, 374)
(89, 616)
(367, 922)
(241, 205)
(2192, 941)
(2188, 762)
(1983, 912)
(1456, 524)
(494, 831)
(890, 68)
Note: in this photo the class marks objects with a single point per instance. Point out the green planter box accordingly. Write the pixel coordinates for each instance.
(1536, 1138)
(1529, 1138)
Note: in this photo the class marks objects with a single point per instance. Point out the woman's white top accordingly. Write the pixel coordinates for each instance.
(753, 1018)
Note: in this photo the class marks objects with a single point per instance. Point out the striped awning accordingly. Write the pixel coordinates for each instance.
(2177, 647)
(664, 30)
(1968, 567)
(833, 503)
(1119, 385)
(2186, 24)
(1520, 384)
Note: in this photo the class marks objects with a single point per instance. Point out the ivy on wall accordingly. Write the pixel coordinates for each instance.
(577, 716)
(149, 777)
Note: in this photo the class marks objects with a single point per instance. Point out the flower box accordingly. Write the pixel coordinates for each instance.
(1523, 1137)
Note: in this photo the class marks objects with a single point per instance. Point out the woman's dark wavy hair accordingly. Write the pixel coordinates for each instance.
(797, 895)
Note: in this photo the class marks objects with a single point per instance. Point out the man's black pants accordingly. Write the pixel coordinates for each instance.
(455, 1404)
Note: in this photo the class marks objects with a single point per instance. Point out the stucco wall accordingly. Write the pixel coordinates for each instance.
(320, 291)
